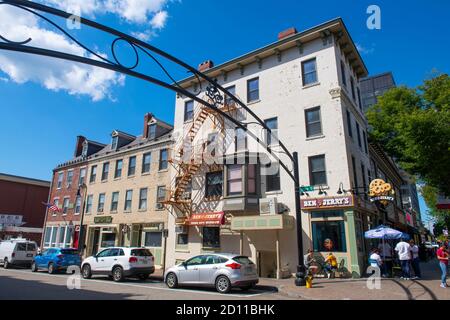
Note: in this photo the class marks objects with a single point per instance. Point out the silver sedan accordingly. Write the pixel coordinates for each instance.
(222, 271)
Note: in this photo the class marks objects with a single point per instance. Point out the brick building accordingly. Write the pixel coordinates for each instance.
(22, 213)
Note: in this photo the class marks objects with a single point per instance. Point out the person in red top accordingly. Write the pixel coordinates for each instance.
(442, 256)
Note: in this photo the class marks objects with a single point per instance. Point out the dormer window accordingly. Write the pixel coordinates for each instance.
(152, 131)
(85, 149)
(115, 142)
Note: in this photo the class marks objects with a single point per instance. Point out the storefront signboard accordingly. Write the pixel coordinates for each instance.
(327, 203)
(103, 220)
(206, 219)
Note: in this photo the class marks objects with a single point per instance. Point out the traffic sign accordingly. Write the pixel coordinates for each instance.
(307, 189)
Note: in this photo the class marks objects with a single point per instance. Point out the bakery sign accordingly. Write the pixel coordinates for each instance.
(327, 203)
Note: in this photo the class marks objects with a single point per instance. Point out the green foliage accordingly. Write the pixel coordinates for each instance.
(413, 125)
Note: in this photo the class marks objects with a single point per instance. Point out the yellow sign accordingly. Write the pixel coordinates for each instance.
(381, 191)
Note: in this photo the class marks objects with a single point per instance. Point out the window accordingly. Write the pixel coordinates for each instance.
(183, 238)
(214, 184)
(329, 235)
(366, 148)
(65, 205)
(47, 237)
(161, 194)
(363, 172)
(349, 124)
(78, 205)
(60, 180)
(313, 122)
(272, 173)
(211, 237)
(54, 234)
(240, 139)
(153, 239)
(84, 152)
(143, 199)
(352, 84)
(146, 162)
(101, 202)
(82, 177)
(115, 143)
(234, 180)
(355, 174)
(359, 99)
(188, 111)
(89, 203)
(253, 90)
(114, 201)
(118, 172)
(61, 236)
(309, 72)
(105, 171)
(344, 77)
(152, 131)
(272, 137)
(317, 171)
(69, 178)
(358, 133)
(251, 179)
(93, 174)
(163, 160)
(132, 166)
(128, 200)
(228, 100)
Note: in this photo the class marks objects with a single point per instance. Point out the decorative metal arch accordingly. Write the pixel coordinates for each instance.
(214, 91)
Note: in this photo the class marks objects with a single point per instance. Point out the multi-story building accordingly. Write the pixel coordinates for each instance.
(126, 185)
(22, 207)
(374, 87)
(306, 88)
(62, 229)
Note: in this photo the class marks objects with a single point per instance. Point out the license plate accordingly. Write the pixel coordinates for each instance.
(29, 255)
(249, 270)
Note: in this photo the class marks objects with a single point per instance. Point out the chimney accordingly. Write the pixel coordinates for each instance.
(287, 33)
(147, 118)
(208, 64)
(79, 146)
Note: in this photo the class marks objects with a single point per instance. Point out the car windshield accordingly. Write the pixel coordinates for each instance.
(69, 252)
(141, 253)
(243, 260)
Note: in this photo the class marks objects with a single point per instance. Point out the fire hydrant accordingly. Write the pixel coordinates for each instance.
(309, 282)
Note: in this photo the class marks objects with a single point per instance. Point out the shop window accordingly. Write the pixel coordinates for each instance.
(214, 184)
(329, 236)
(48, 234)
(108, 240)
(153, 239)
(61, 236)
(234, 180)
(68, 240)
(327, 214)
(211, 237)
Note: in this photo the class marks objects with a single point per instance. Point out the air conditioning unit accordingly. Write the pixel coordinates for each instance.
(159, 206)
(268, 206)
(181, 229)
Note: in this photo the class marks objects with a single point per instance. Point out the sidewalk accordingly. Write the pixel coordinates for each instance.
(356, 289)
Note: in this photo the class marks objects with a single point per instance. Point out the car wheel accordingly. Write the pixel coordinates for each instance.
(34, 267)
(6, 263)
(172, 281)
(223, 284)
(144, 276)
(51, 268)
(118, 274)
(86, 272)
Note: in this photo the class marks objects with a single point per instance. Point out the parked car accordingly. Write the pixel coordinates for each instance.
(120, 263)
(222, 271)
(56, 259)
(17, 252)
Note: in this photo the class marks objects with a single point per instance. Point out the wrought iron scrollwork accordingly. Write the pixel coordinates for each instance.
(214, 94)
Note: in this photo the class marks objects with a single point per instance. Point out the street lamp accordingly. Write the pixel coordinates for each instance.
(81, 235)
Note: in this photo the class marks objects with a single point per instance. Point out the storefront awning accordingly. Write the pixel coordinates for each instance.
(206, 219)
(263, 222)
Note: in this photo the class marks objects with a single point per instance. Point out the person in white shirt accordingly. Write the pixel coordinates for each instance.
(415, 260)
(385, 251)
(375, 259)
(404, 254)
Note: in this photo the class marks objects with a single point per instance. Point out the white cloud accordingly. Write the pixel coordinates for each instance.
(159, 20)
(364, 50)
(53, 74)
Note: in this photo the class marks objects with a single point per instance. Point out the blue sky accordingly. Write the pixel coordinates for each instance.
(39, 125)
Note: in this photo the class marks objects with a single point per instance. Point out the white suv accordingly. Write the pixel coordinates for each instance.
(120, 263)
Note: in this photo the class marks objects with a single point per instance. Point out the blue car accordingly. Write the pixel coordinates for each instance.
(56, 259)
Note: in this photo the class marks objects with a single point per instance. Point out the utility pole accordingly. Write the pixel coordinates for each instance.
(298, 213)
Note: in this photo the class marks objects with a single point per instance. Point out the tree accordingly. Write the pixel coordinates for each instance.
(413, 125)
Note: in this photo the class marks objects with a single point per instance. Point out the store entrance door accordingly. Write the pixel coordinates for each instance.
(95, 241)
(267, 264)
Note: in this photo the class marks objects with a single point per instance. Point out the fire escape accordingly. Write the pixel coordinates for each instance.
(189, 155)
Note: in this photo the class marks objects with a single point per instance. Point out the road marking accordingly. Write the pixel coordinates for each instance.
(139, 286)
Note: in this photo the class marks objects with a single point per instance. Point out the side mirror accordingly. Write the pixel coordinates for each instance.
(184, 264)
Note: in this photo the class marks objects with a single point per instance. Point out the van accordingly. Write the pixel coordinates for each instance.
(17, 252)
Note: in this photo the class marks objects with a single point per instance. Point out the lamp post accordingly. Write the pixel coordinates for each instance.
(81, 235)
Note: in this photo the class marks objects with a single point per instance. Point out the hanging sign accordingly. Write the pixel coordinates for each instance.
(381, 191)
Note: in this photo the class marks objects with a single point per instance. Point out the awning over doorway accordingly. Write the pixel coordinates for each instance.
(206, 219)
(263, 222)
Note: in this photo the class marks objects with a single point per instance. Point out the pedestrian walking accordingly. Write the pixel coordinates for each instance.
(404, 254)
(415, 260)
(442, 256)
